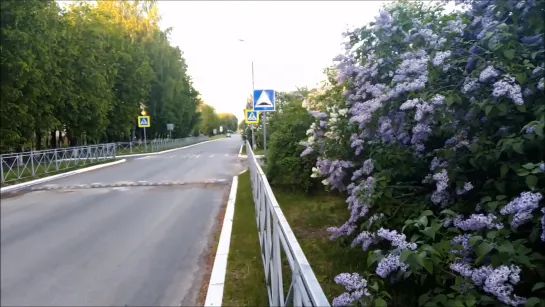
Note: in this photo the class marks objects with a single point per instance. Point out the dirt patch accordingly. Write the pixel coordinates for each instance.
(210, 254)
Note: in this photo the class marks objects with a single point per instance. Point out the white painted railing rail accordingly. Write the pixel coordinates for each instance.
(276, 239)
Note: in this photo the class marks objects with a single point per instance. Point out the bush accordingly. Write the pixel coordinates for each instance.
(284, 166)
(439, 143)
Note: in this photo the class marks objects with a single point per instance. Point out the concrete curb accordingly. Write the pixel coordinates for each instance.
(23, 185)
(164, 151)
(214, 295)
(240, 151)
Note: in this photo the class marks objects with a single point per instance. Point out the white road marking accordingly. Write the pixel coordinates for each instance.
(211, 156)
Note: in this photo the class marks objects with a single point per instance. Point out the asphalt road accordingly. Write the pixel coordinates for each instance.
(117, 246)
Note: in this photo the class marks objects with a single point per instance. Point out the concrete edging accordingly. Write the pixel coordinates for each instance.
(164, 151)
(22, 185)
(214, 295)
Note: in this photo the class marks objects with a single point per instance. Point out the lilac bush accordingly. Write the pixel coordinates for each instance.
(433, 124)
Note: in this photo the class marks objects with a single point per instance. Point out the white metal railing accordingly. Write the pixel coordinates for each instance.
(277, 238)
(139, 146)
(18, 166)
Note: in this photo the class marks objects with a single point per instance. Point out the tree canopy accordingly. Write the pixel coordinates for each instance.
(87, 71)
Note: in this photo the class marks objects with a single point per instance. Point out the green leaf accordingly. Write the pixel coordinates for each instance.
(521, 78)
(427, 213)
(509, 53)
(487, 109)
(518, 147)
(404, 255)
(539, 285)
(423, 220)
(380, 303)
(529, 166)
(371, 258)
(531, 181)
(474, 240)
(455, 303)
(428, 265)
(483, 249)
(470, 300)
(430, 232)
(533, 301)
(522, 172)
(503, 170)
(448, 212)
(423, 299)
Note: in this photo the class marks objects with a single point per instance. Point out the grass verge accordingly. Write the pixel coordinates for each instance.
(245, 280)
(258, 151)
(41, 172)
(309, 216)
(215, 137)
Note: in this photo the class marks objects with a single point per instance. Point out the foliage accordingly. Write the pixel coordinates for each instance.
(87, 70)
(288, 127)
(438, 139)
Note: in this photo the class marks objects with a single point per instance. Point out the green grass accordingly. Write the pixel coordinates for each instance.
(245, 280)
(215, 137)
(308, 216)
(258, 151)
(42, 172)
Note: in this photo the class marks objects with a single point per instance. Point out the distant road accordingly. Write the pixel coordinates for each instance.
(116, 246)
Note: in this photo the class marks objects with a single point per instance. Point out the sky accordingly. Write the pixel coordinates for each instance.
(290, 43)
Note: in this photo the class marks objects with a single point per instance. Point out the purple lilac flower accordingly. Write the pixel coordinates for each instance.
(375, 217)
(467, 187)
(541, 84)
(470, 85)
(507, 87)
(368, 167)
(396, 239)
(522, 208)
(421, 132)
(437, 163)
(345, 230)
(542, 167)
(440, 57)
(531, 129)
(319, 115)
(488, 73)
(366, 239)
(477, 222)
(500, 284)
(354, 284)
(543, 225)
(463, 240)
(441, 180)
(389, 264)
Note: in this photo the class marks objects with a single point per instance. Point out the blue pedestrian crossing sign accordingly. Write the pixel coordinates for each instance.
(144, 121)
(251, 117)
(264, 101)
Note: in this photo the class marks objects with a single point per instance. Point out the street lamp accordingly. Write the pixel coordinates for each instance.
(253, 88)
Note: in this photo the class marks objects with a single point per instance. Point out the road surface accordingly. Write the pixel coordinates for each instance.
(119, 245)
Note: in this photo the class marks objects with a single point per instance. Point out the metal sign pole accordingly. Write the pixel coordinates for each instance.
(265, 134)
(145, 142)
(253, 137)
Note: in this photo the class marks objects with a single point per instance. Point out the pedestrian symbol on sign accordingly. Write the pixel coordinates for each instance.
(251, 117)
(144, 122)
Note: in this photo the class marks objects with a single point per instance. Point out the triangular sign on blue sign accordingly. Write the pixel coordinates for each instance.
(143, 121)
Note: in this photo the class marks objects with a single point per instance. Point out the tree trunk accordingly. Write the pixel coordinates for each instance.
(53, 139)
(39, 136)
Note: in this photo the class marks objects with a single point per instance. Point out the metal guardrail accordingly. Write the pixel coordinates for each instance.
(127, 148)
(18, 166)
(277, 238)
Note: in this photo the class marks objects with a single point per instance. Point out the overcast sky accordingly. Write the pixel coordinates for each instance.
(291, 42)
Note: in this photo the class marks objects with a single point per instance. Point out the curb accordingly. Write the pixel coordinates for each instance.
(214, 295)
(23, 185)
(240, 151)
(164, 151)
